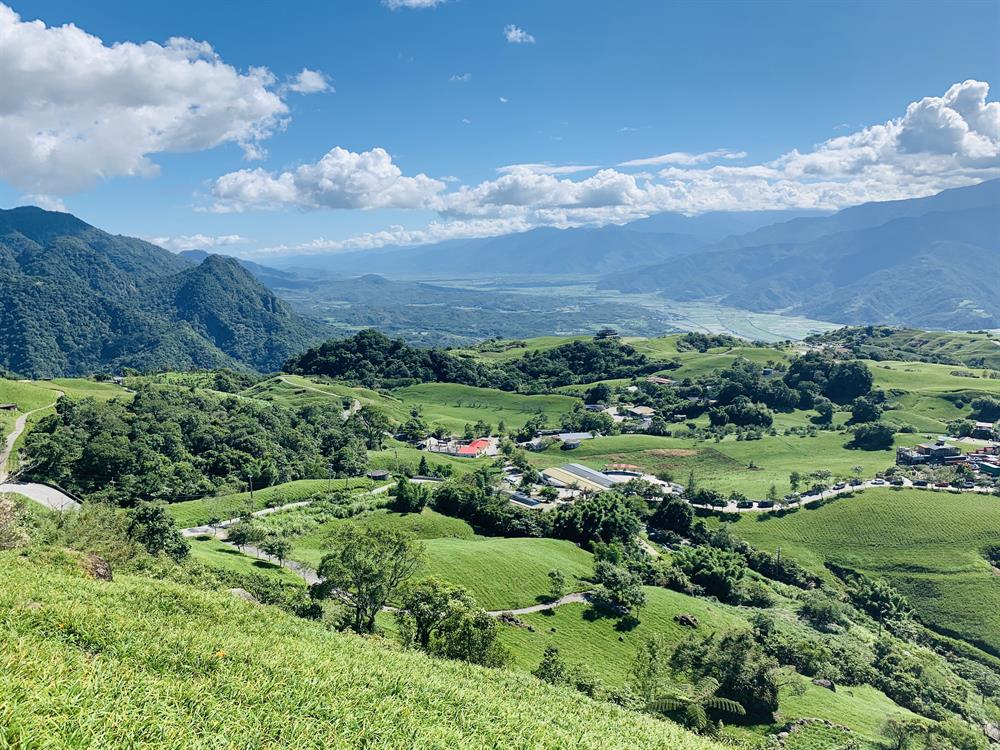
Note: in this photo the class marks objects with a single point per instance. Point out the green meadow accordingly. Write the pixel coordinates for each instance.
(929, 545)
(453, 406)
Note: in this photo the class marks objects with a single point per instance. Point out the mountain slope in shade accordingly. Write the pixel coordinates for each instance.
(933, 263)
(76, 300)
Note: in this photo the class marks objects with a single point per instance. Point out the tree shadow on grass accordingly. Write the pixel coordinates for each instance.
(627, 624)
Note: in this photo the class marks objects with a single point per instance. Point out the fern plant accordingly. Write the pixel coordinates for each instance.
(694, 701)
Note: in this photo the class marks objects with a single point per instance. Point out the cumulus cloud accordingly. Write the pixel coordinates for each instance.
(412, 4)
(547, 168)
(938, 143)
(340, 180)
(48, 202)
(517, 35)
(461, 78)
(75, 110)
(682, 157)
(198, 241)
(310, 82)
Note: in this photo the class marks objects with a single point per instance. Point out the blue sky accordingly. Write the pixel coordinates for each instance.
(756, 88)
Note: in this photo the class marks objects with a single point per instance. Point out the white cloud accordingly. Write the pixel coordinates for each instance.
(461, 78)
(547, 168)
(938, 143)
(466, 121)
(75, 111)
(412, 4)
(517, 35)
(683, 157)
(48, 202)
(198, 241)
(340, 180)
(310, 82)
(504, 100)
(626, 129)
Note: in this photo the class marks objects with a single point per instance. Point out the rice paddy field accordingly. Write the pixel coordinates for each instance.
(929, 545)
(160, 666)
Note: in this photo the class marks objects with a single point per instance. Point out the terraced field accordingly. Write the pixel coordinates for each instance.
(928, 544)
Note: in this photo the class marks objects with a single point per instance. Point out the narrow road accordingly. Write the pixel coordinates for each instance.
(355, 404)
(199, 530)
(581, 597)
(19, 425)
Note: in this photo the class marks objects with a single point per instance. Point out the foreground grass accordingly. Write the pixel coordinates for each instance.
(198, 512)
(928, 544)
(139, 663)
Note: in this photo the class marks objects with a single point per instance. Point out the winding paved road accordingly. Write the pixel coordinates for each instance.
(42, 494)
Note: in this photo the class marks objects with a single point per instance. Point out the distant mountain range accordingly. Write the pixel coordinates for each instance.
(75, 300)
(929, 262)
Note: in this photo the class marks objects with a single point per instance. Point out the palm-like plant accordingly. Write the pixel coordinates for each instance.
(695, 701)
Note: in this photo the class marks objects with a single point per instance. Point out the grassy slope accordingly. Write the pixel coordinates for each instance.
(197, 512)
(215, 554)
(137, 663)
(596, 642)
(501, 573)
(928, 544)
(298, 391)
(453, 406)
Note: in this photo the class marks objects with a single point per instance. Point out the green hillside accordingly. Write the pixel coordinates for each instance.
(930, 545)
(158, 665)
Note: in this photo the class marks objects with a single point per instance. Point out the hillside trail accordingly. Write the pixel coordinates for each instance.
(355, 404)
(200, 530)
(19, 426)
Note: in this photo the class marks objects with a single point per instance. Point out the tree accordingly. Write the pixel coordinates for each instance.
(425, 606)
(152, 526)
(848, 380)
(824, 410)
(13, 524)
(673, 514)
(369, 565)
(618, 588)
(900, 732)
(410, 497)
(865, 410)
(873, 436)
(414, 429)
(695, 701)
(598, 394)
(557, 584)
(473, 635)
(373, 424)
(276, 547)
(650, 667)
(795, 481)
(552, 669)
(423, 469)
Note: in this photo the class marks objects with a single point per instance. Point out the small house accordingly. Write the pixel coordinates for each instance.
(984, 431)
(378, 475)
(643, 412)
(8, 407)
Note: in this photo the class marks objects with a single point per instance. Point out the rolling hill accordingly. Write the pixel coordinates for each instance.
(75, 299)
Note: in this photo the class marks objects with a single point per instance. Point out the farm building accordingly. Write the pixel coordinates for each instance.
(475, 449)
(575, 437)
(984, 431)
(929, 453)
(990, 469)
(643, 412)
(577, 476)
(8, 407)
(657, 380)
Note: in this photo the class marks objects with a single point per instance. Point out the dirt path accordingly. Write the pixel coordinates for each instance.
(355, 404)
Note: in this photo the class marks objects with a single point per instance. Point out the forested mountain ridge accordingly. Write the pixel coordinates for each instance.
(75, 299)
(932, 262)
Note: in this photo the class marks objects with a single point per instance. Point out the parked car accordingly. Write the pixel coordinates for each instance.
(878, 482)
(920, 483)
(968, 485)
(856, 483)
(897, 482)
(840, 485)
